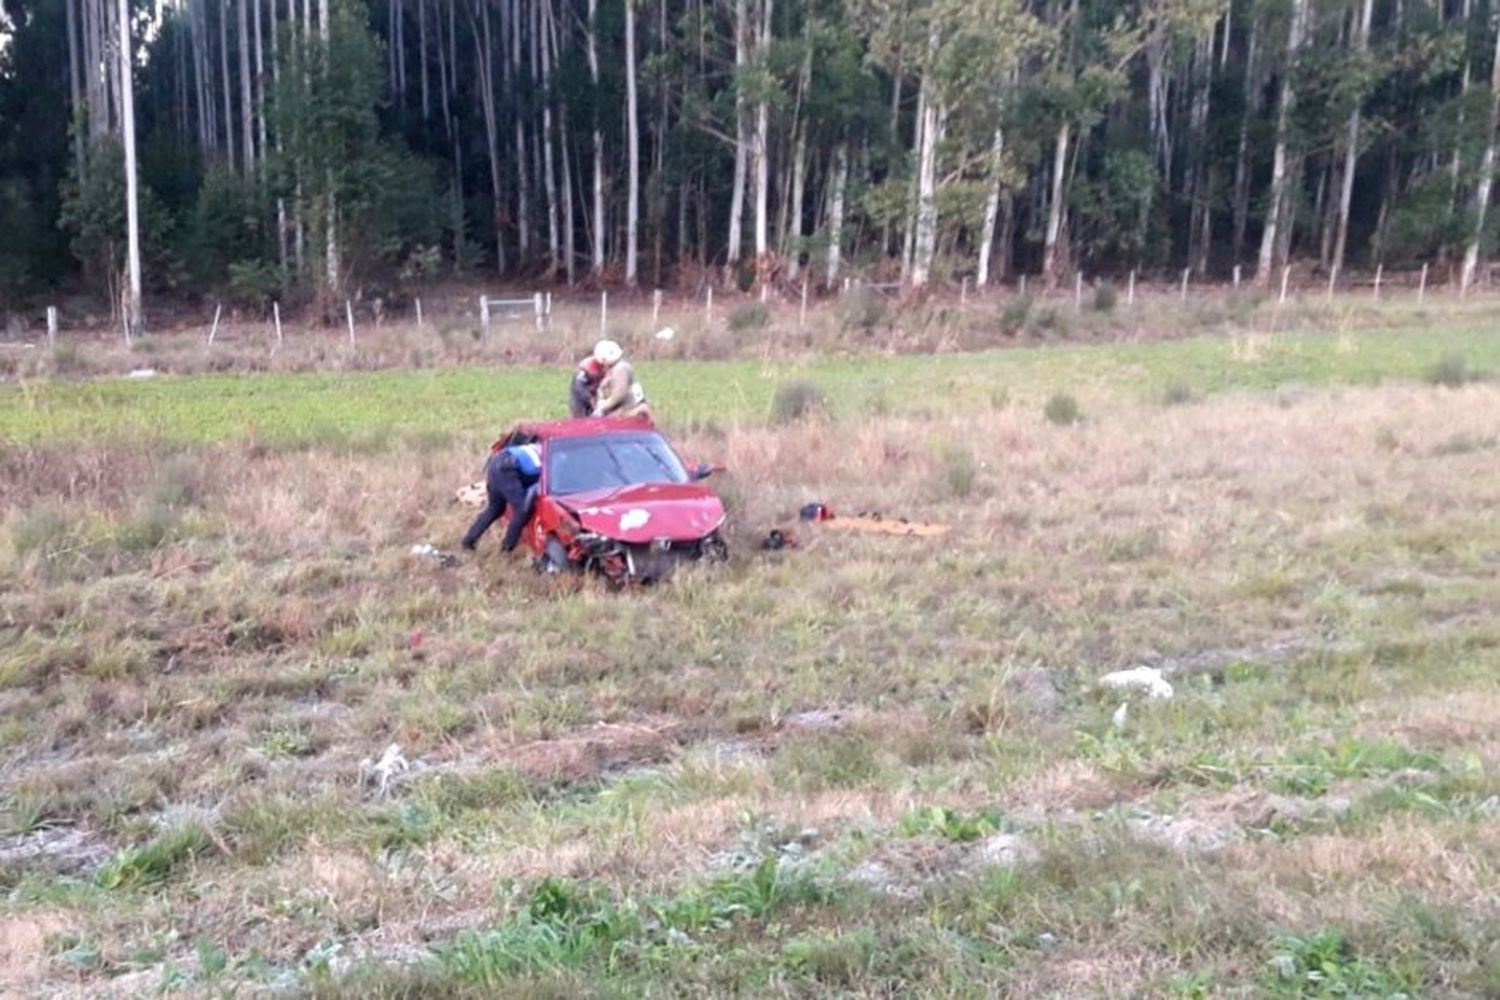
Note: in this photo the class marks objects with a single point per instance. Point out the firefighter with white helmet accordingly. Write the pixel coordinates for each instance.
(620, 394)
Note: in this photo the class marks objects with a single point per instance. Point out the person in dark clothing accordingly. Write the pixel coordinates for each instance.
(509, 480)
(583, 392)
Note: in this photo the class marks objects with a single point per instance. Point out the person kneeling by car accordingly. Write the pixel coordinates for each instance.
(510, 478)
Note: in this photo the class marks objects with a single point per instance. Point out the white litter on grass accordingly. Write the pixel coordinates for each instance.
(142, 373)
(1147, 679)
(666, 333)
(1121, 715)
(379, 773)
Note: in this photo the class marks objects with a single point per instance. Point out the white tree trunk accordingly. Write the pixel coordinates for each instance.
(760, 154)
(247, 90)
(1486, 177)
(991, 211)
(422, 57)
(542, 41)
(132, 210)
(737, 194)
(331, 270)
(632, 150)
(598, 230)
(1051, 249)
(1276, 207)
(486, 66)
(1351, 144)
(836, 213)
(228, 89)
(925, 241)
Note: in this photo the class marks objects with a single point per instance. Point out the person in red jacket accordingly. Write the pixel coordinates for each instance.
(583, 393)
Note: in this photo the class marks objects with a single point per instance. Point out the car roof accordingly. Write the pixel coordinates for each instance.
(585, 427)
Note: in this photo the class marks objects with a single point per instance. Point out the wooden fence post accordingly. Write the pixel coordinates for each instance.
(276, 318)
(1286, 273)
(655, 307)
(802, 314)
(349, 312)
(1186, 273)
(1379, 273)
(963, 293)
(708, 308)
(419, 314)
(603, 312)
(1236, 276)
(536, 305)
(1130, 295)
(52, 328)
(1422, 288)
(213, 330)
(1333, 278)
(484, 315)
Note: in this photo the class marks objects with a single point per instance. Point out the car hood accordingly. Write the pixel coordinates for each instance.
(642, 514)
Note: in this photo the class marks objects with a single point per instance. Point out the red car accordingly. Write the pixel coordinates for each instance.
(615, 497)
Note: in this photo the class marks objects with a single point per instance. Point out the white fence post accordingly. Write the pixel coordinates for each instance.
(547, 304)
(963, 294)
(1236, 276)
(1130, 295)
(1186, 273)
(1078, 292)
(349, 312)
(52, 328)
(1333, 279)
(1286, 273)
(484, 315)
(1422, 288)
(655, 307)
(708, 308)
(536, 302)
(1379, 273)
(802, 315)
(419, 314)
(276, 318)
(1023, 285)
(603, 312)
(213, 330)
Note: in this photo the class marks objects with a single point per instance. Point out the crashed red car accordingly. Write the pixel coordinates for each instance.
(616, 498)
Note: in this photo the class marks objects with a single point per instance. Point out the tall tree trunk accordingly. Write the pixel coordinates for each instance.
(569, 261)
(1052, 264)
(523, 178)
(247, 90)
(741, 144)
(228, 89)
(75, 85)
(598, 229)
(132, 208)
(260, 75)
(1466, 76)
(760, 155)
(632, 150)
(1486, 177)
(542, 41)
(422, 57)
(486, 66)
(1200, 229)
(1351, 143)
(333, 274)
(991, 210)
(839, 179)
(925, 239)
(1242, 156)
(1276, 210)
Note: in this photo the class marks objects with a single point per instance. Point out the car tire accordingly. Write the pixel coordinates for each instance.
(554, 558)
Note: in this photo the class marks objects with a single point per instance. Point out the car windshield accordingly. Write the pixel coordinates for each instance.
(585, 464)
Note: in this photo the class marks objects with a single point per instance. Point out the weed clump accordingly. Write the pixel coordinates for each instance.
(1105, 298)
(797, 401)
(1451, 372)
(1176, 394)
(1062, 409)
(862, 308)
(1015, 313)
(137, 866)
(959, 465)
(754, 315)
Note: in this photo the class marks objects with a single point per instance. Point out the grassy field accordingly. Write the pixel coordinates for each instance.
(867, 766)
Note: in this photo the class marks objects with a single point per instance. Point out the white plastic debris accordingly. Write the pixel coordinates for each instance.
(142, 373)
(379, 773)
(1147, 679)
(666, 333)
(1121, 714)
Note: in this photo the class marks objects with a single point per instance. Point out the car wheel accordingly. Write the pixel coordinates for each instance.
(714, 548)
(554, 558)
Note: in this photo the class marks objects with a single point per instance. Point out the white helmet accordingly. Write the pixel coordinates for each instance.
(607, 352)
